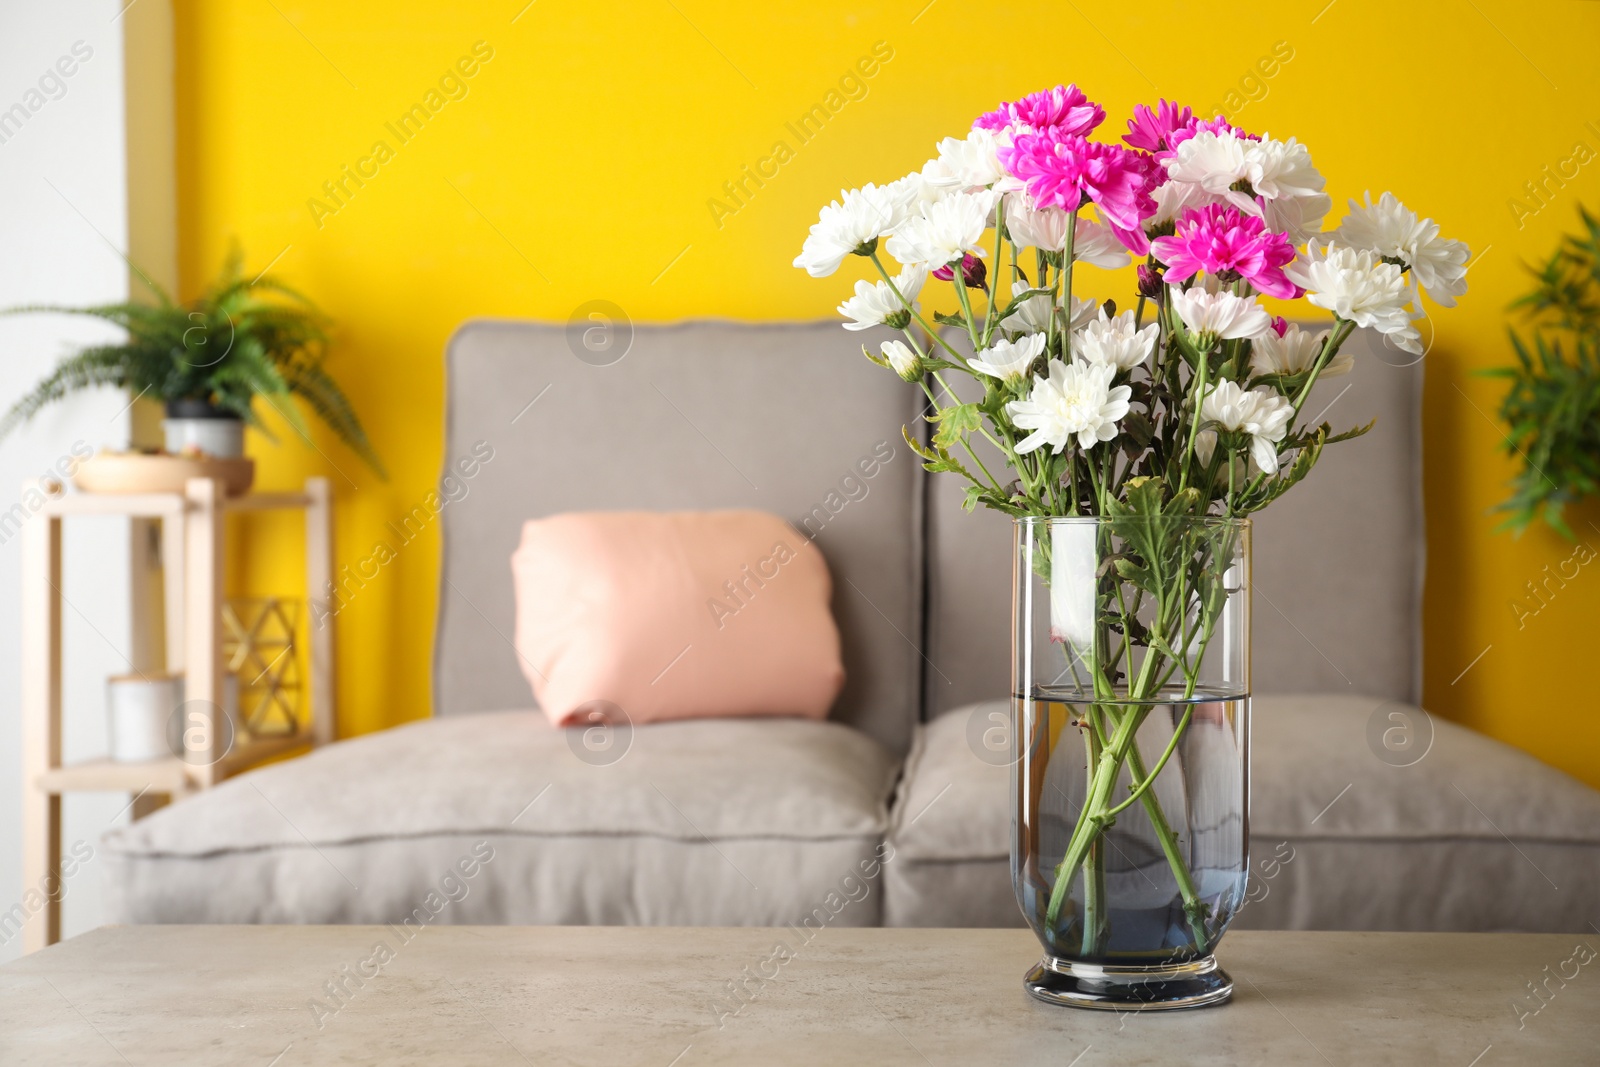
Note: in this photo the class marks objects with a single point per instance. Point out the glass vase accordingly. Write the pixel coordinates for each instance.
(1131, 697)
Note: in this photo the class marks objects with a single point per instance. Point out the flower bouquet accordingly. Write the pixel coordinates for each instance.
(1135, 443)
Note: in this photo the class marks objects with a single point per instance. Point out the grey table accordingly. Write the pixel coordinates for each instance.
(663, 997)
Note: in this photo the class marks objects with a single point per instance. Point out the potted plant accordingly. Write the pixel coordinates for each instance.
(1552, 410)
(208, 361)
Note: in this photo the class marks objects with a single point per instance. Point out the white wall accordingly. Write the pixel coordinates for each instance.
(63, 218)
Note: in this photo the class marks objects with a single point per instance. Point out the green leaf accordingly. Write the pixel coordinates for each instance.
(1135, 573)
(1137, 430)
(1144, 495)
(244, 339)
(1287, 477)
(1350, 435)
(955, 422)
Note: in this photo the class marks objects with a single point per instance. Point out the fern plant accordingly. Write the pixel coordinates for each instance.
(1552, 410)
(242, 339)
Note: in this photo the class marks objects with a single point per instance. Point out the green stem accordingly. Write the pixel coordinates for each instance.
(1172, 745)
(1098, 814)
(1101, 781)
(914, 313)
(1342, 330)
(1094, 868)
(1066, 296)
(1192, 908)
(991, 318)
(1198, 396)
(998, 488)
(959, 279)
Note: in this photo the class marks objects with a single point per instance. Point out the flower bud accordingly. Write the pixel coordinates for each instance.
(902, 359)
(973, 272)
(1150, 282)
(1280, 325)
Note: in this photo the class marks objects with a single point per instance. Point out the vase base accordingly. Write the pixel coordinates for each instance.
(1105, 987)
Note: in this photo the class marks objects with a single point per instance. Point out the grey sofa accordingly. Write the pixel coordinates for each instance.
(896, 810)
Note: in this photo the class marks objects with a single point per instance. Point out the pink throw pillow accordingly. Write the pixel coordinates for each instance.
(675, 616)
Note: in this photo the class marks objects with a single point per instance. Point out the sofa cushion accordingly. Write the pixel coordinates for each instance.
(1373, 815)
(726, 822)
(1366, 815)
(951, 825)
(674, 615)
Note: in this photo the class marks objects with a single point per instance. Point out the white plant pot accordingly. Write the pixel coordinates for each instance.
(223, 438)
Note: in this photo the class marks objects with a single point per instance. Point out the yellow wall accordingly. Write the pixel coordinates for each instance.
(581, 161)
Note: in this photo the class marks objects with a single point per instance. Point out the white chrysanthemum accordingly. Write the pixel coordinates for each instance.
(1297, 217)
(1280, 170)
(1173, 198)
(1094, 243)
(902, 359)
(1046, 230)
(1280, 173)
(876, 305)
(1077, 400)
(1294, 353)
(1355, 284)
(1035, 227)
(1261, 413)
(1033, 314)
(972, 162)
(1438, 266)
(1219, 315)
(1115, 341)
(1005, 358)
(1212, 161)
(1028, 316)
(920, 187)
(1083, 313)
(866, 214)
(943, 231)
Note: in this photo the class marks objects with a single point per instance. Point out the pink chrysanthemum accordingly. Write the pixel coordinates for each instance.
(1223, 241)
(1216, 125)
(1064, 109)
(1152, 130)
(1066, 171)
(1162, 130)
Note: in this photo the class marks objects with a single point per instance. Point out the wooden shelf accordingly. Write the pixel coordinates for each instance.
(266, 501)
(192, 542)
(170, 775)
(133, 505)
(164, 505)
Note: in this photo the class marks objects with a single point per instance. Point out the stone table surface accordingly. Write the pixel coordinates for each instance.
(281, 996)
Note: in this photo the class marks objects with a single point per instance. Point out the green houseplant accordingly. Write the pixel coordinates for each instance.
(1552, 410)
(209, 360)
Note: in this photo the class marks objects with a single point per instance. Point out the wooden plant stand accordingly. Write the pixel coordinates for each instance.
(192, 546)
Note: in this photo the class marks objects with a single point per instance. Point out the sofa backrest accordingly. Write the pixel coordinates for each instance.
(1337, 560)
(786, 418)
